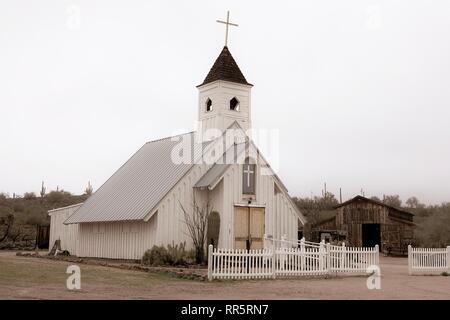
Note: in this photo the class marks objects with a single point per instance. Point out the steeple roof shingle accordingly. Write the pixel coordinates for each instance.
(225, 68)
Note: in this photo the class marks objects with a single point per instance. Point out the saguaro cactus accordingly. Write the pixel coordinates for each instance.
(89, 190)
(43, 189)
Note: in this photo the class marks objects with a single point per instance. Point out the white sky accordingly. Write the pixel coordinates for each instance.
(358, 89)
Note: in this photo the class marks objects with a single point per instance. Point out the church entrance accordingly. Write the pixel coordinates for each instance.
(248, 228)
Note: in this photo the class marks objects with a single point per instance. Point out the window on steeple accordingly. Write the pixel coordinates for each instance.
(234, 104)
(208, 105)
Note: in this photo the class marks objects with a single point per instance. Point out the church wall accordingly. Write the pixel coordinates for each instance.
(129, 240)
(68, 234)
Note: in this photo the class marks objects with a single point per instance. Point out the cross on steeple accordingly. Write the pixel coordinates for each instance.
(227, 23)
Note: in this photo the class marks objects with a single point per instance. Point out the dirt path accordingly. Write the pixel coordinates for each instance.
(31, 278)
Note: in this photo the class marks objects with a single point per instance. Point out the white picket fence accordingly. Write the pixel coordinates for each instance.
(283, 258)
(339, 259)
(428, 260)
(300, 261)
(342, 259)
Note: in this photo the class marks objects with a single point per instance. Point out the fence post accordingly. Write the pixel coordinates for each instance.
(321, 249)
(283, 251)
(342, 264)
(377, 255)
(448, 259)
(409, 259)
(328, 253)
(302, 254)
(210, 262)
(273, 262)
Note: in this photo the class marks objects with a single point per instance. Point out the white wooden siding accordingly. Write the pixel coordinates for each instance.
(165, 227)
(171, 226)
(68, 234)
(117, 240)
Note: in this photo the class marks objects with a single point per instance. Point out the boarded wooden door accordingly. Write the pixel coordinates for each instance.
(248, 228)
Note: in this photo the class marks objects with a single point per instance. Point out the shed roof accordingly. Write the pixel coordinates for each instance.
(212, 176)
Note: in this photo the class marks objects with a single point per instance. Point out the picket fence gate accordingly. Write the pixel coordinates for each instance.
(428, 260)
(285, 258)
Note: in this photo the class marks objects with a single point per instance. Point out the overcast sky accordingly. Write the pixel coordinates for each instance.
(360, 90)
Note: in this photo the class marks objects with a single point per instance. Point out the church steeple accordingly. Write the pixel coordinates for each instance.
(224, 95)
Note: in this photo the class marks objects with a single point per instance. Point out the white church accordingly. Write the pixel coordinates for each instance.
(145, 201)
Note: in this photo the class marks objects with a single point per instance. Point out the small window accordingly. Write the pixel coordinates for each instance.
(234, 104)
(208, 105)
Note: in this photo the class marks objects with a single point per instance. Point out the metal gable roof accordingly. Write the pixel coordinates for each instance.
(136, 187)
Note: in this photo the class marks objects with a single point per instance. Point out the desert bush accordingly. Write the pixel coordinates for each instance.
(156, 256)
(173, 255)
(29, 196)
(58, 196)
(177, 254)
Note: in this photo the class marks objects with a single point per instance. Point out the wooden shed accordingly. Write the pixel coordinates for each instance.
(366, 222)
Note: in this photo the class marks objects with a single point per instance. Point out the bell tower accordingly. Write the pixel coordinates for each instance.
(224, 97)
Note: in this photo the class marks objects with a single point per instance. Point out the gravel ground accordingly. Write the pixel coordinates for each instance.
(32, 278)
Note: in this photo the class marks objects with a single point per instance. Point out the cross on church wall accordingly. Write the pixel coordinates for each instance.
(248, 172)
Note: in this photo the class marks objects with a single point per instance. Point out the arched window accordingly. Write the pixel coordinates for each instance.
(208, 105)
(248, 177)
(234, 104)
